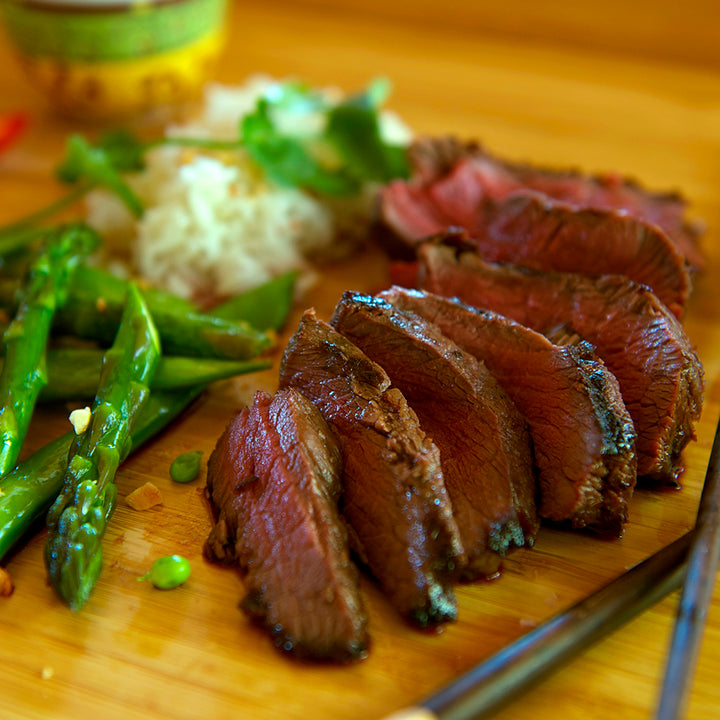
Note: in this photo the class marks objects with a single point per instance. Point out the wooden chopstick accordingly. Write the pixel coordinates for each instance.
(498, 679)
(702, 565)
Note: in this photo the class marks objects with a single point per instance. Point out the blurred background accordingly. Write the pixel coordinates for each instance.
(682, 32)
(561, 82)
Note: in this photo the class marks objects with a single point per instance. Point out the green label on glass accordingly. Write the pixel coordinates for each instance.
(109, 32)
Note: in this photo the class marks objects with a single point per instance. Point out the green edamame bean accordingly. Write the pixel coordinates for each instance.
(168, 572)
(185, 467)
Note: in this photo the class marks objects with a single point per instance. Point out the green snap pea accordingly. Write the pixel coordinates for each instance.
(185, 467)
(168, 572)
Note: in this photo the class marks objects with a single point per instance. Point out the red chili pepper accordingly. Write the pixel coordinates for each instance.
(11, 127)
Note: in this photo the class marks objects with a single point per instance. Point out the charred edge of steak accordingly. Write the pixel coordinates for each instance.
(256, 607)
(394, 497)
(619, 473)
(563, 335)
(432, 158)
(669, 370)
(274, 480)
(484, 443)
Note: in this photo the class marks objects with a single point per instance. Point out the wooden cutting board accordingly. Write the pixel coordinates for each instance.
(138, 653)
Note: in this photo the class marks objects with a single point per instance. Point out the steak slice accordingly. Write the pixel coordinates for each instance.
(534, 231)
(483, 441)
(583, 437)
(451, 178)
(394, 496)
(530, 229)
(274, 481)
(640, 341)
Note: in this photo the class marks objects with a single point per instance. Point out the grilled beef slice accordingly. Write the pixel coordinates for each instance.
(394, 496)
(274, 481)
(534, 231)
(451, 179)
(483, 441)
(583, 437)
(640, 341)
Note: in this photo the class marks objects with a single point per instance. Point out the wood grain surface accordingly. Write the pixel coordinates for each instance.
(138, 653)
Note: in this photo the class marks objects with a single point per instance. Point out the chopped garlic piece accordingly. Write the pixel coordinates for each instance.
(6, 583)
(144, 497)
(80, 419)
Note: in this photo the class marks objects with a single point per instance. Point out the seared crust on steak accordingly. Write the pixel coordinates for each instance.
(640, 341)
(274, 481)
(394, 498)
(583, 437)
(483, 441)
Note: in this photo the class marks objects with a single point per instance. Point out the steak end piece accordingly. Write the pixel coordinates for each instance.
(483, 441)
(450, 180)
(274, 481)
(394, 496)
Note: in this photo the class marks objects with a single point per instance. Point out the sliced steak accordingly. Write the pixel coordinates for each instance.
(531, 230)
(274, 481)
(451, 179)
(640, 341)
(483, 441)
(394, 496)
(583, 437)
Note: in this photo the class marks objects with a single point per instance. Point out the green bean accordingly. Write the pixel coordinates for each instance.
(168, 572)
(186, 467)
(93, 311)
(74, 373)
(78, 518)
(264, 307)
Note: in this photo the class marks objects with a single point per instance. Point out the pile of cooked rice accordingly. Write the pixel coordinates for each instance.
(214, 225)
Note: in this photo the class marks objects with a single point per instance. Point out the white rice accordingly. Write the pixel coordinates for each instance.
(214, 225)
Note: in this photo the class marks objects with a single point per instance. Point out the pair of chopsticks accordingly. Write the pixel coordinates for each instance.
(695, 598)
(690, 562)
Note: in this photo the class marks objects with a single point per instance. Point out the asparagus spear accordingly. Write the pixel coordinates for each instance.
(74, 373)
(27, 493)
(24, 374)
(78, 518)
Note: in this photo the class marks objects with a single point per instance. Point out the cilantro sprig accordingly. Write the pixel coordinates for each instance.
(347, 152)
(83, 167)
(103, 164)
